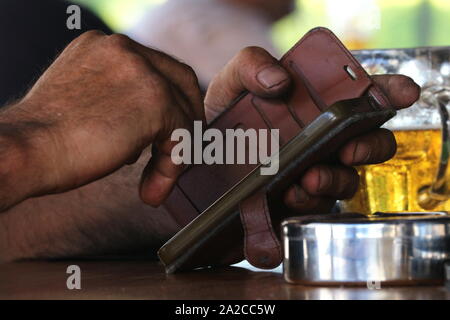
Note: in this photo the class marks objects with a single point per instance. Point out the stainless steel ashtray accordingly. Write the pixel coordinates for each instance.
(354, 249)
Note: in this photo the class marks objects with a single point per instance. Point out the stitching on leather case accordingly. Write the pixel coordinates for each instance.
(309, 87)
(269, 123)
(261, 113)
(296, 118)
(373, 87)
(268, 223)
(333, 38)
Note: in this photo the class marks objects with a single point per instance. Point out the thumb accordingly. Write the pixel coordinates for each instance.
(160, 175)
(254, 70)
(162, 171)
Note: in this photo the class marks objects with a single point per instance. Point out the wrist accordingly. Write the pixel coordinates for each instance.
(22, 161)
(12, 163)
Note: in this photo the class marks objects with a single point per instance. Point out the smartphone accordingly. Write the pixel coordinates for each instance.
(313, 119)
(211, 233)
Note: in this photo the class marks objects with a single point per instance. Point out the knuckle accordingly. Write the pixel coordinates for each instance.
(119, 41)
(249, 53)
(131, 67)
(91, 34)
(133, 62)
(190, 75)
(160, 91)
(87, 37)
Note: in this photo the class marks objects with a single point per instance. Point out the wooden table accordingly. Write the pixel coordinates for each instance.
(147, 280)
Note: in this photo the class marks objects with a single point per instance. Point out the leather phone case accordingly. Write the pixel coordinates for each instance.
(323, 72)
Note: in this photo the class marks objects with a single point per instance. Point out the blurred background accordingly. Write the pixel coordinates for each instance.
(206, 34)
(360, 23)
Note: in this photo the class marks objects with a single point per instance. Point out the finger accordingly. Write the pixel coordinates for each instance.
(401, 90)
(298, 200)
(180, 74)
(161, 173)
(254, 70)
(337, 182)
(374, 147)
(185, 104)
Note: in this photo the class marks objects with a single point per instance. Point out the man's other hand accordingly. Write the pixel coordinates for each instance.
(102, 101)
(253, 69)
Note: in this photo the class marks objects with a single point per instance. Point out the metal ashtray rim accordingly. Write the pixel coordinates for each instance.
(378, 217)
(355, 250)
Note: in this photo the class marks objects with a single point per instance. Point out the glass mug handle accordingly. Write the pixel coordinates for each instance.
(430, 196)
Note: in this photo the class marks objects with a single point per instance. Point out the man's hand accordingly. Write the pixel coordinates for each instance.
(102, 101)
(253, 69)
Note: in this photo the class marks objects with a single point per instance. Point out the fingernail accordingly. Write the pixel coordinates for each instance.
(361, 154)
(325, 179)
(272, 76)
(300, 195)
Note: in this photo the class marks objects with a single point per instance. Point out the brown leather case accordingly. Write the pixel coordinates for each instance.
(323, 72)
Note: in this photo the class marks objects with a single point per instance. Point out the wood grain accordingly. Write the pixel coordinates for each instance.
(147, 280)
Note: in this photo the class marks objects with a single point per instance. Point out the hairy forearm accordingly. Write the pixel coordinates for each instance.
(22, 165)
(104, 217)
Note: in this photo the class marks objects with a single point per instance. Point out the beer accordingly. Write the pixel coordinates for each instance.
(393, 186)
(400, 184)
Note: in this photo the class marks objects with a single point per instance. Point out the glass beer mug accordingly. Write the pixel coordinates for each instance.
(417, 178)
